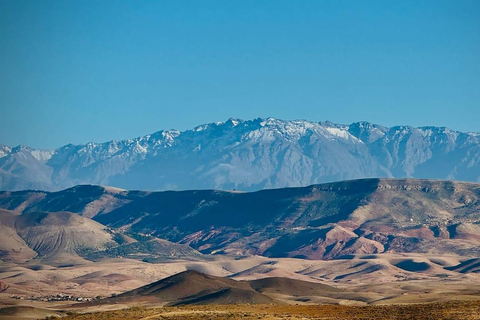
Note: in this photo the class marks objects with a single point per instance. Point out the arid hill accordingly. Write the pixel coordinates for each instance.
(317, 222)
(64, 237)
(194, 288)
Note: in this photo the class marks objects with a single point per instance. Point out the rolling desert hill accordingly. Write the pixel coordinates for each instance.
(248, 155)
(327, 221)
(356, 280)
(195, 288)
(293, 287)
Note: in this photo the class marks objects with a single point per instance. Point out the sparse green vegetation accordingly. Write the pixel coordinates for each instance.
(465, 310)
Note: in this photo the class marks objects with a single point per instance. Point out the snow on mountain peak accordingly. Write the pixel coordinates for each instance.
(234, 122)
(252, 154)
(43, 155)
(338, 133)
(4, 150)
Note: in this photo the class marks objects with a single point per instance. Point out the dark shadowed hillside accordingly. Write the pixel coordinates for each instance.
(316, 222)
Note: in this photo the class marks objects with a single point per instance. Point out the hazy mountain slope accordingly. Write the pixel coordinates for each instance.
(55, 233)
(58, 237)
(12, 246)
(248, 155)
(317, 222)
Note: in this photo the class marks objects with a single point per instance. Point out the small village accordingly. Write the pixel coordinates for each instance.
(56, 297)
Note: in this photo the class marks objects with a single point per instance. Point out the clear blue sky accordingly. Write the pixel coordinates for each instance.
(79, 71)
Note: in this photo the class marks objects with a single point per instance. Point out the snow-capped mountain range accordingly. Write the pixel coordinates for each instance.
(248, 155)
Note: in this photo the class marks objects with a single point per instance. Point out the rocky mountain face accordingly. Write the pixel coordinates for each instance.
(248, 155)
(325, 221)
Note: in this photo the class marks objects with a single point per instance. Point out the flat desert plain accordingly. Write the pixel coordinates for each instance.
(449, 310)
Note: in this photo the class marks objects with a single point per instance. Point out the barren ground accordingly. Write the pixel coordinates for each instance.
(449, 310)
(378, 287)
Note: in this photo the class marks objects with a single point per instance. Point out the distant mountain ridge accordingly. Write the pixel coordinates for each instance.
(248, 155)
